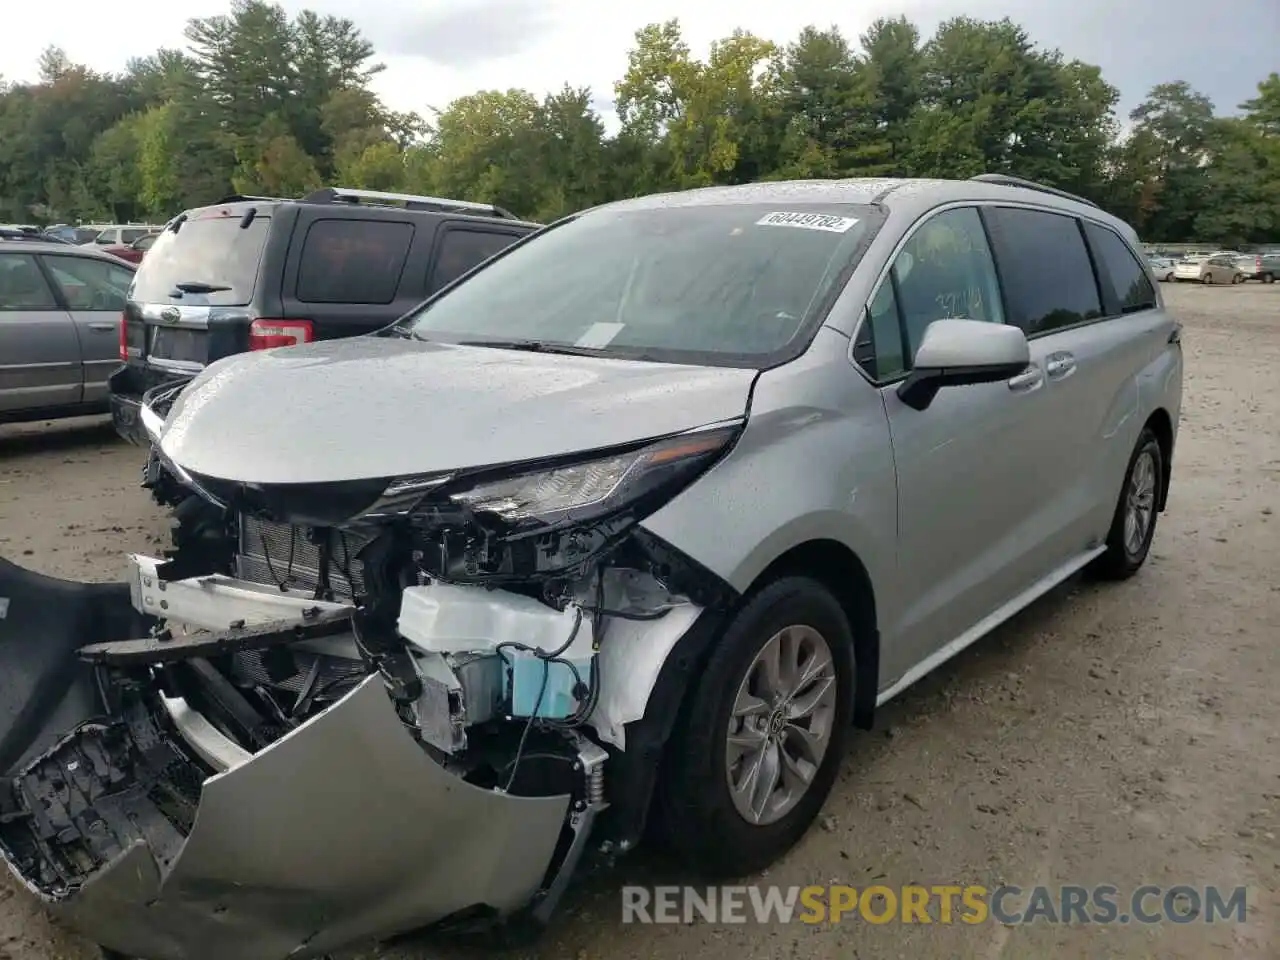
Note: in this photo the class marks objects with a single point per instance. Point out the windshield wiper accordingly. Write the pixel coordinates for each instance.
(535, 346)
(196, 286)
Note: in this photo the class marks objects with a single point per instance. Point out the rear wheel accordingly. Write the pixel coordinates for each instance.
(1268, 278)
(1134, 523)
(763, 733)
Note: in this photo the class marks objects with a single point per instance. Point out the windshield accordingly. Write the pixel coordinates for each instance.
(730, 284)
(218, 249)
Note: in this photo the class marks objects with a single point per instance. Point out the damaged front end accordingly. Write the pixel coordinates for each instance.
(344, 711)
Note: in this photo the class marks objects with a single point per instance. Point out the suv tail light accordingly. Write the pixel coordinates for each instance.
(264, 334)
(124, 338)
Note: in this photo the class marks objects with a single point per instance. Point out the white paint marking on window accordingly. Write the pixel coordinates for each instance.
(808, 221)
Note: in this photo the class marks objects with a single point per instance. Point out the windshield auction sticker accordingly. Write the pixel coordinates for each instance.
(807, 221)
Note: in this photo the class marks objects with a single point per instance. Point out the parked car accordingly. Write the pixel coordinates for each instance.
(133, 252)
(81, 235)
(635, 520)
(18, 233)
(254, 273)
(59, 312)
(120, 235)
(1162, 267)
(1216, 269)
(1259, 266)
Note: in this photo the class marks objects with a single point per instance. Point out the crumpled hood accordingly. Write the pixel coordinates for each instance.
(383, 407)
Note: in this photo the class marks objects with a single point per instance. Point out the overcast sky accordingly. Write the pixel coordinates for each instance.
(436, 50)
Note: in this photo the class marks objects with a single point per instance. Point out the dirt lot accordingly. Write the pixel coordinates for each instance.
(1124, 735)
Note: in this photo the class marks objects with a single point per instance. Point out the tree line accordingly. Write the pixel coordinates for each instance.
(261, 103)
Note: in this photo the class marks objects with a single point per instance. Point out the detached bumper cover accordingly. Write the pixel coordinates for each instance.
(340, 831)
(344, 829)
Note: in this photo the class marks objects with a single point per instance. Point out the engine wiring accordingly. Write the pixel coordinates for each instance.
(547, 659)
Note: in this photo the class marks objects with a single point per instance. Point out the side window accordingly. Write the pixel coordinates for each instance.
(89, 284)
(129, 236)
(353, 261)
(22, 285)
(1129, 280)
(1045, 269)
(460, 250)
(945, 271)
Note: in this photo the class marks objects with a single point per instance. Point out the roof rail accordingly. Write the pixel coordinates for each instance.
(410, 201)
(1005, 180)
(242, 198)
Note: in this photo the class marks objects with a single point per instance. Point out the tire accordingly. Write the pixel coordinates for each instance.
(1125, 554)
(1268, 278)
(701, 822)
(1207, 278)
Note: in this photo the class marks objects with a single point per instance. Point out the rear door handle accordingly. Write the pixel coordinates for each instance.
(1027, 381)
(1060, 365)
(102, 325)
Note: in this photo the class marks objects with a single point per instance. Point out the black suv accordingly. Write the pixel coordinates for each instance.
(251, 273)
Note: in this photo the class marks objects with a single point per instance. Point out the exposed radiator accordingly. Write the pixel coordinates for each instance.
(282, 555)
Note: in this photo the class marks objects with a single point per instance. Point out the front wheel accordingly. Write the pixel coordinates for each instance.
(1207, 278)
(1133, 526)
(763, 733)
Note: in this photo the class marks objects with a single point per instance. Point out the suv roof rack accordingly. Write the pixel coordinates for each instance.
(242, 198)
(1006, 180)
(410, 201)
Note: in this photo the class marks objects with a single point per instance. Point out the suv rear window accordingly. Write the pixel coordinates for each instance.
(353, 261)
(215, 249)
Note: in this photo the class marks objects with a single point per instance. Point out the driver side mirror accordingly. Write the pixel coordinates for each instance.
(961, 352)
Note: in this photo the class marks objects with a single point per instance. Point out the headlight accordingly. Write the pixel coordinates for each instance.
(592, 488)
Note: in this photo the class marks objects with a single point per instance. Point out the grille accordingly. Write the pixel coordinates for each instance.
(282, 555)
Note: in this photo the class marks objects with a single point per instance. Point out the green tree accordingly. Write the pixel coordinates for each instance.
(1178, 121)
(826, 100)
(701, 119)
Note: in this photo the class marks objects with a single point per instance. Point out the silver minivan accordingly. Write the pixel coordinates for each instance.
(633, 524)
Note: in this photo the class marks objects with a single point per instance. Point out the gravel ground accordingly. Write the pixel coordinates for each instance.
(1122, 734)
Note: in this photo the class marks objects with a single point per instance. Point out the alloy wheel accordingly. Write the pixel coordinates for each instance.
(781, 724)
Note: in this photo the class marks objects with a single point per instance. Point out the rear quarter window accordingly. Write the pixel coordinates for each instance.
(462, 248)
(353, 261)
(1117, 262)
(1045, 269)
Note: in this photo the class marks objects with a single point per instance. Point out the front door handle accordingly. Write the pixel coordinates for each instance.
(1028, 380)
(1060, 365)
(103, 325)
